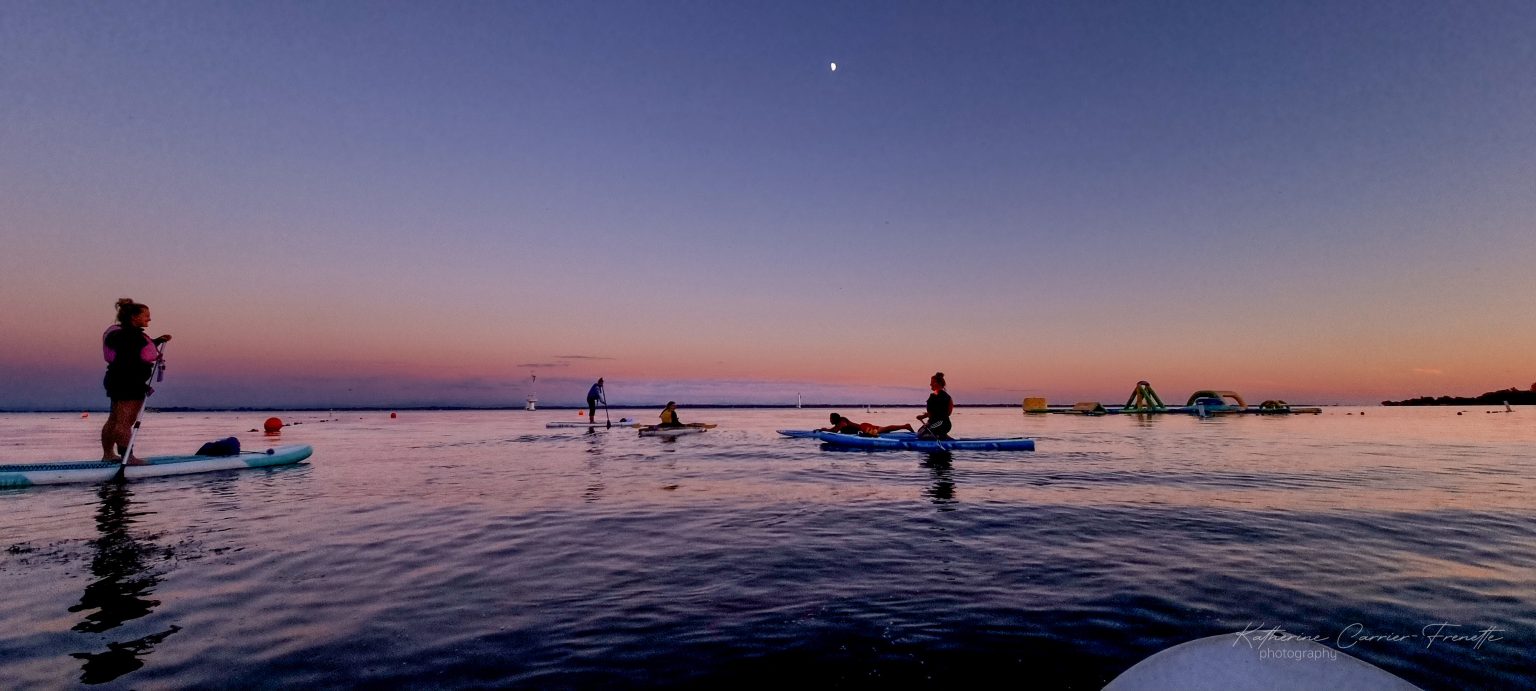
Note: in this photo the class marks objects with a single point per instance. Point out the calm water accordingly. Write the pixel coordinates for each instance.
(449, 549)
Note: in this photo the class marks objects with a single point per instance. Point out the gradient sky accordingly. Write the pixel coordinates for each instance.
(400, 203)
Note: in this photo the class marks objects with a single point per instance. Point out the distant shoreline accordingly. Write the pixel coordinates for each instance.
(519, 408)
(643, 406)
(1507, 396)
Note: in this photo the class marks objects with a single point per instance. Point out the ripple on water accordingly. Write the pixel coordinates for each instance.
(482, 550)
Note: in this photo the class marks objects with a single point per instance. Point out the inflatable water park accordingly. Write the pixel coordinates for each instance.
(1145, 401)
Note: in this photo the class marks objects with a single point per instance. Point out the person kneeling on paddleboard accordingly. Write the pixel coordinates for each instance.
(843, 425)
(669, 416)
(940, 407)
(130, 354)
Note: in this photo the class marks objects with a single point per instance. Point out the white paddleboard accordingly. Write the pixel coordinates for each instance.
(99, 471)
(621, 422)
(1253, 661)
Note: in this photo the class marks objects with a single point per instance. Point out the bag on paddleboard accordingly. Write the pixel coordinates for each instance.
(228, 446)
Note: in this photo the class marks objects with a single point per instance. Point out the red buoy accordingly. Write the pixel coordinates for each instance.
(272, 424)
(393, 416)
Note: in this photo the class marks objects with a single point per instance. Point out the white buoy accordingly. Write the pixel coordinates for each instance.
(834, 67)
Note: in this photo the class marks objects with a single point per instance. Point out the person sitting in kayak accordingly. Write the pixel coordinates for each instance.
(940, 407)
(669, 416)
(595, 395)
(843, 425)
(130, 356)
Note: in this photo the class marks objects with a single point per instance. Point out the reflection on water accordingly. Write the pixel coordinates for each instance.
(942, 492)
(120, 593)
(119, 658)
(595, 487)
(479, 549)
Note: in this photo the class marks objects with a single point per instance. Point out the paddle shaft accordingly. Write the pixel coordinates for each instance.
(133, 436)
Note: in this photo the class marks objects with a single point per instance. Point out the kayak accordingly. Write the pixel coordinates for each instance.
(621, 422)
(26, 475)
(1255, 660)
(914, 444)
(811, 434)
(658, 431)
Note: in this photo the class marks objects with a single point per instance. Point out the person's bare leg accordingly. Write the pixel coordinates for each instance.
(124, 413)
(109, 435)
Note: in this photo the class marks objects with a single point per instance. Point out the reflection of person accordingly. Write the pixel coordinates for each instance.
(130, 355)
(843, 425)
(596, 395)
(669, 416)
(940, 407)
(124, 581)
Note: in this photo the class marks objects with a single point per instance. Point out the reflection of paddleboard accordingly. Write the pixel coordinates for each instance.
(1251, 661)
(101, 471)
(656, 431)
(912, 443)
(621, 422)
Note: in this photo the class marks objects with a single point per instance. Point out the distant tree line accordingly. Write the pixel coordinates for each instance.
(1511, 395)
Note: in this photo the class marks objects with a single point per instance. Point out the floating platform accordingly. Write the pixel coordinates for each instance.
(1145, 401)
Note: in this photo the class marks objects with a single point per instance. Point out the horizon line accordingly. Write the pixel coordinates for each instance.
(764, 406)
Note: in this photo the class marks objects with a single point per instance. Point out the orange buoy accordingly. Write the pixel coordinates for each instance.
(581, 413)
(85, 415)
(272, 424)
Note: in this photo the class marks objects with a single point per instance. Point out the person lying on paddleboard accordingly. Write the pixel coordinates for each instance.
(669, 416)
(596, 395)
(940, 407)
(843, 425)
(130, 354)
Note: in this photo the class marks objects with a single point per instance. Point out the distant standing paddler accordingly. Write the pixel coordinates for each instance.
(130, 354)
(940, 407)
(596, 395)
(669, 416)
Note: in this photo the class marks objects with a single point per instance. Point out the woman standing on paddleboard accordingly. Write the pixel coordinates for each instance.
(940, 406)
(130, 355)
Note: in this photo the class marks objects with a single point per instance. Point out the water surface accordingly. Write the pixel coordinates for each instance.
(450, 549)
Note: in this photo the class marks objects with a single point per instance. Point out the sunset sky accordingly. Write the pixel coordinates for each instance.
(392, 203)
